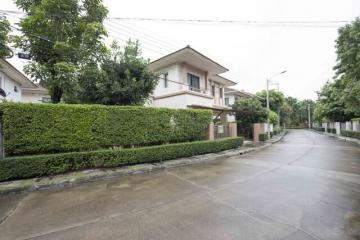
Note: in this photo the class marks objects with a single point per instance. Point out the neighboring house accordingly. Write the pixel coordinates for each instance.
(231, 96)
(188, 79)
(17, 87)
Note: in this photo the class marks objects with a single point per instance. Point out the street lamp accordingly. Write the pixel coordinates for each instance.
(268, 81)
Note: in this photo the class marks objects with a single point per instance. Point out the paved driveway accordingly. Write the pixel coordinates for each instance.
(305, 187)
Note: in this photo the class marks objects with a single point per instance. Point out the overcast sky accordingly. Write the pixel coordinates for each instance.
(251, 52)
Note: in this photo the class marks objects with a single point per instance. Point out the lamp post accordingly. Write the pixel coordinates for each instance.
(268, 82)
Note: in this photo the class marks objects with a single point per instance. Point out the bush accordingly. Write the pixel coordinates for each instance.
(331, 130)
(263, 137)
(42, 165)
(355, 119)
(53, 128)
(320, 129)
(351, 134)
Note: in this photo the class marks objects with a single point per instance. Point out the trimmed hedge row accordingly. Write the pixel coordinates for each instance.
(263, 137)
(351, 134)
(43, 165)
(331, 130)
(53, 128)
(320, 129)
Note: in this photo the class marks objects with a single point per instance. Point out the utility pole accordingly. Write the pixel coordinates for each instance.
(268, 108)
(309, 116)
(268, 81)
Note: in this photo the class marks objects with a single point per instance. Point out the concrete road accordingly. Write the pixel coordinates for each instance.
(305, 187)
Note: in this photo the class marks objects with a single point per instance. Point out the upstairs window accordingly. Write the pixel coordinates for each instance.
(193, 82)
(213, 90)
(227, 101)
(221, 92)
(166, 80)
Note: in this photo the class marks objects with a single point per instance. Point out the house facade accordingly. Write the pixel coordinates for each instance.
(231, 96)
(16, 87)
(189, 79)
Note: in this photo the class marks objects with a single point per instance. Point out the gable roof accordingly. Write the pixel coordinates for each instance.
(191, 57)
(15, 74)
(242, 93)
(222, 80)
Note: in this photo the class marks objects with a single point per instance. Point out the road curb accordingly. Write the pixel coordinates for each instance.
(85, 176)
(346, 139)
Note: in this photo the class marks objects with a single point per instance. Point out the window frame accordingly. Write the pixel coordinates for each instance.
(190, 79)
(166, 80)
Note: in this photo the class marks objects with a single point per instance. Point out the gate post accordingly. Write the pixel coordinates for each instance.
(211, 131)
(2, 151)
(232, 129)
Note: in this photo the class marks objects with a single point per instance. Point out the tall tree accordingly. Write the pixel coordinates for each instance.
(348, 67)
(62, 37)
(5, 50)
(125, 79)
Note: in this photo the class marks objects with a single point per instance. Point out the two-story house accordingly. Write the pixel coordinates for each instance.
(189, 79)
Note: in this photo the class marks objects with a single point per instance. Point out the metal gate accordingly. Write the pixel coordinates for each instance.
(221, 131)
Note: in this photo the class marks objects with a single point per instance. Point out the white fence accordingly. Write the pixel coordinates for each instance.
(348, 126)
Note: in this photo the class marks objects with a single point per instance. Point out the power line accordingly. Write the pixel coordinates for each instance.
(143, 39)
(240, 22)
(144, 35)
(298, 23)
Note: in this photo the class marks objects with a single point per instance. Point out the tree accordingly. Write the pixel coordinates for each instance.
(276, 99)
(63, 37)
(125, 79)
(273, 117)
(5, 51)
(249, 111)
(348, 67)
(340, 100)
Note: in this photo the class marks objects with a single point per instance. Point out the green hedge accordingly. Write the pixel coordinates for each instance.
(53, 128)
(41, 165)
(320, 129)
(331, 130)
(355, 119)
(263, 137)
(351, 134)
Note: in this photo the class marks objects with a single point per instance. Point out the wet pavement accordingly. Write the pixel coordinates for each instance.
(304, 187)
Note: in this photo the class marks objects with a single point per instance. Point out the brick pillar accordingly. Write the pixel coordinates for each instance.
(232, 129)
(257, 129)
(211, 131)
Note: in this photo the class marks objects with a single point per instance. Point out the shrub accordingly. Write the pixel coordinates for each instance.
(41, 165)
(351, 134)
(320, 129)
(331, 130)
(355, 119)
(53, 128)
(263, 137)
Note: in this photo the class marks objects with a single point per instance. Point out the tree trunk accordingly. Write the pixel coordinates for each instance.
(56, 94)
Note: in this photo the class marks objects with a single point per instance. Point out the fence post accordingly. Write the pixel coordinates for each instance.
(356, 126)
(211, 131)
(232, 129)
(2, 151)
(257, 130)
(338, 127)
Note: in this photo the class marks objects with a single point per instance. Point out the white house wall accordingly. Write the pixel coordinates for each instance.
(182, 101)
(8, 85)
